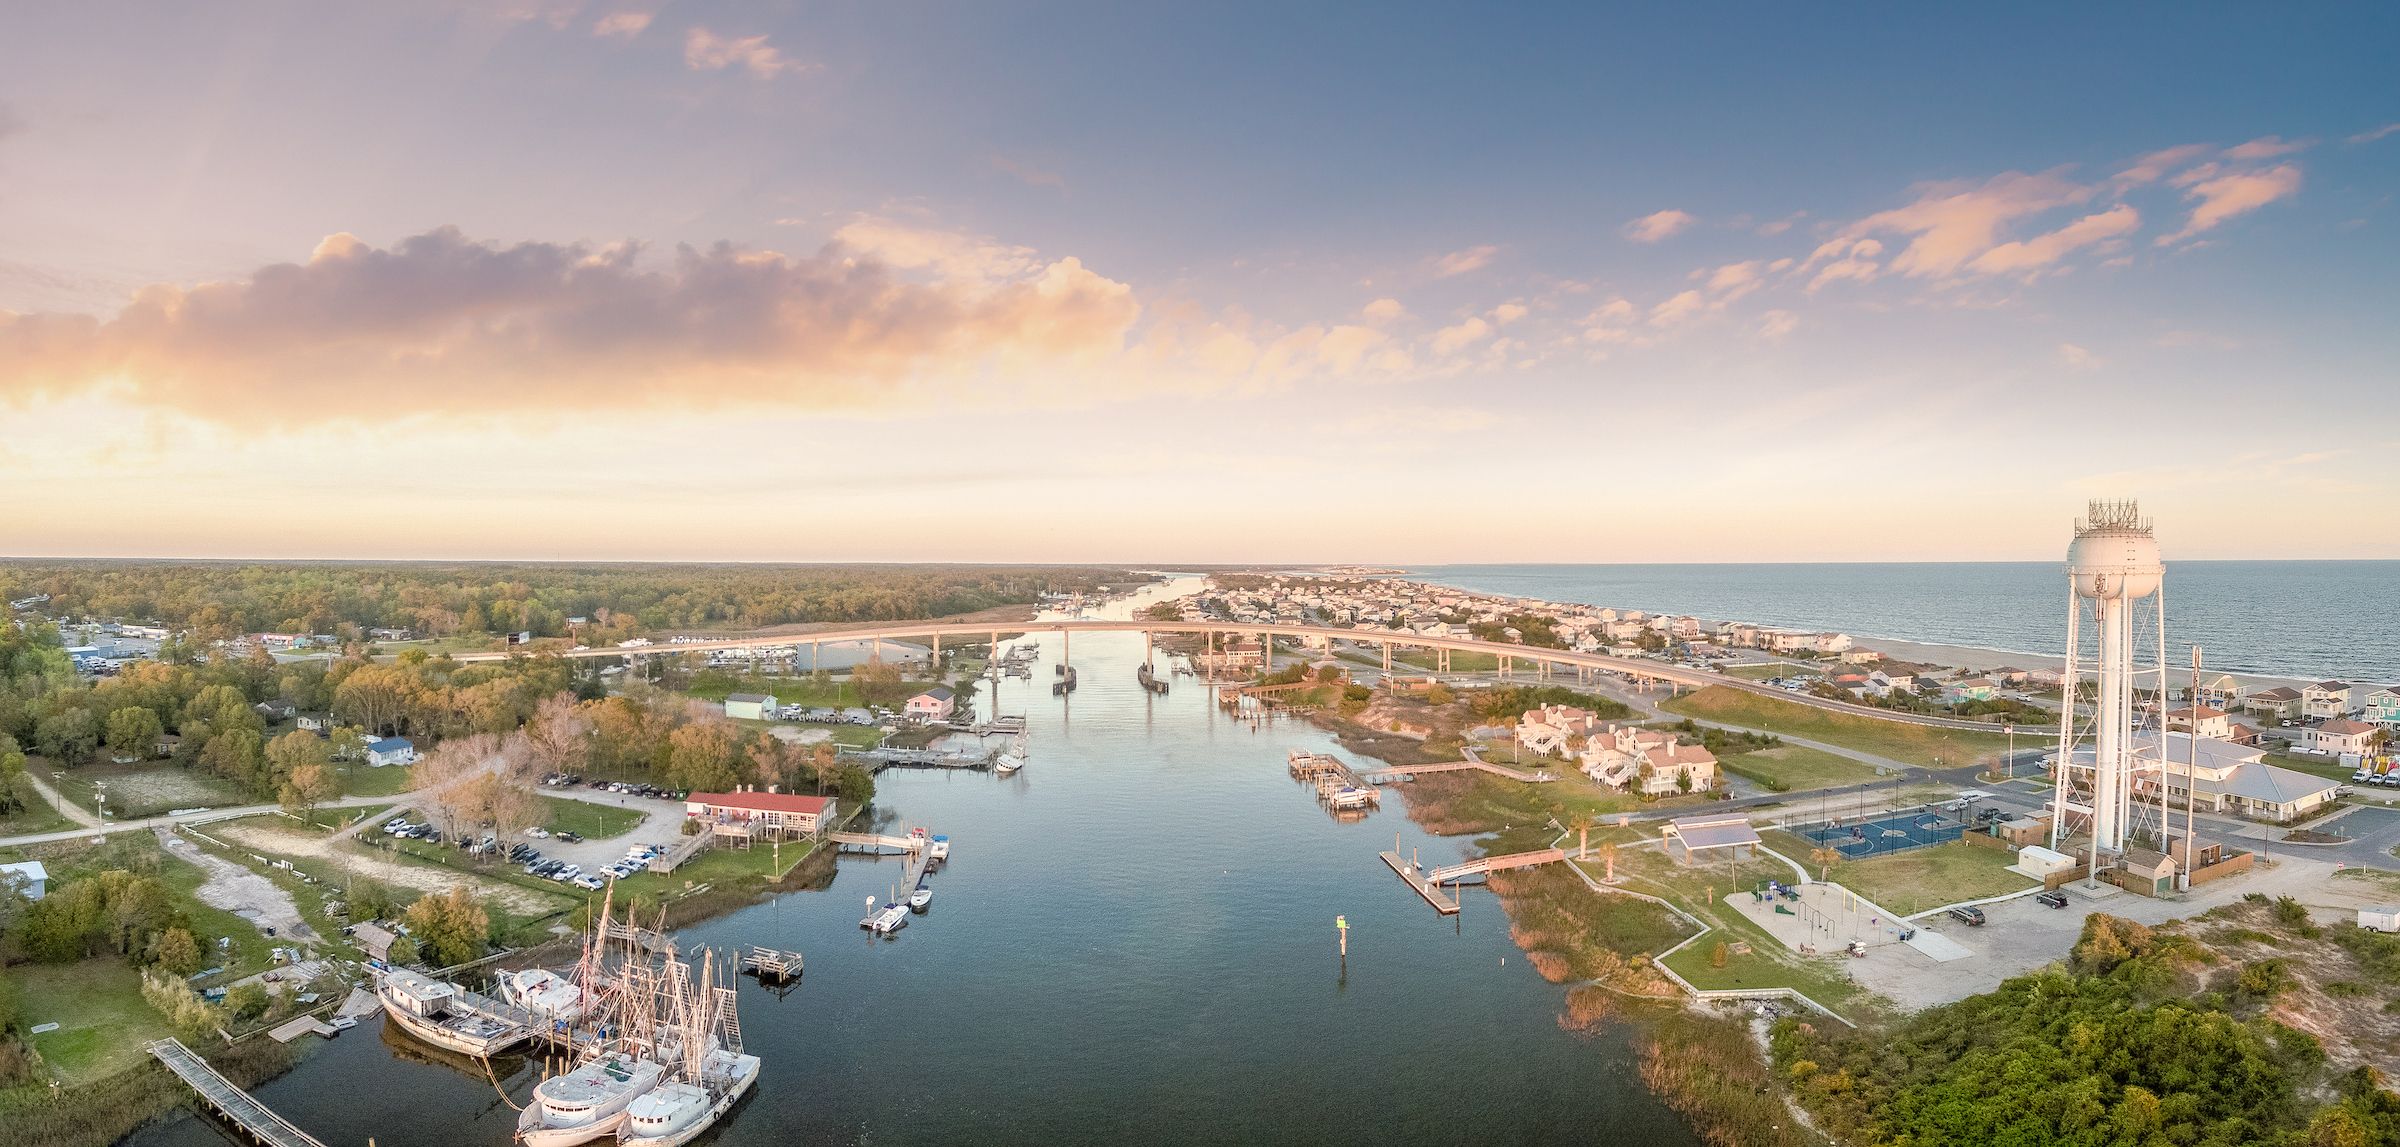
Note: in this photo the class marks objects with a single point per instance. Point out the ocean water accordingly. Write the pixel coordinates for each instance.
(2288, 619)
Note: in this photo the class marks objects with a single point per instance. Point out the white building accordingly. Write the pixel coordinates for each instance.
(28, 877)
(751, 706)
(2229, 778)
(391, 751)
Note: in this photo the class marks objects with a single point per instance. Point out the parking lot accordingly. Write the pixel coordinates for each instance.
(661, 823)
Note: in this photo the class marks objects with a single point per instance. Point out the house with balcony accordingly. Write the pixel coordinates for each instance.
(2340, 737)
(2325, 699)
(2281, 703)
(2382, 708)
(2203, 720)
(1547, 730)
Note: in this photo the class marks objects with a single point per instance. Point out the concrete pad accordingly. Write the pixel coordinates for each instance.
(1941, 948)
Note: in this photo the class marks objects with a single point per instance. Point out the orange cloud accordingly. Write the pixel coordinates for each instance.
(2043, 250)
(442, 323)
(705, 51)
(1952, 224)
(1658, 225)
(2223, 196)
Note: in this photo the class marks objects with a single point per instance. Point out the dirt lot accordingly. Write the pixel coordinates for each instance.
(240, 891)
(419, 877)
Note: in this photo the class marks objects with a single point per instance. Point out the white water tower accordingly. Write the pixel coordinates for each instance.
(2113, 565)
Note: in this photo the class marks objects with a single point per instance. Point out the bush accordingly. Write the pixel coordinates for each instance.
(190, 1016)
(246, 1001)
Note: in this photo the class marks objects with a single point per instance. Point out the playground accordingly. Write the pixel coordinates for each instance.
(1890, 832)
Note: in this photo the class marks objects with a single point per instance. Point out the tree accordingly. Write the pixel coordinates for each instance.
(701, 755)
(246, 1000)
(133, 731)
(12, 766)
(178, 951)
(826, 761)
(238, 756)
(451, 928)
(559, 738)
(287, 753)
(68, 736)
(374, 697)
(309, 785)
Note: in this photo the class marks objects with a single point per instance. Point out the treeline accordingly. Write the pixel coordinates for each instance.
(2145, 1038)
(215, 600)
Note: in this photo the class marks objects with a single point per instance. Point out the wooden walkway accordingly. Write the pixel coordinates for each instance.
(1390, 773)
(1445, 903)
(1496, 863)
(254, 1118)
(877, 841)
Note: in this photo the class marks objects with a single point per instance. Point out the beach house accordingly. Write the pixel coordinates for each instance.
(2382, 708)
(2280, 703)
(756, 814)
(2339, 737)
(1546, 730)
(2325, 699)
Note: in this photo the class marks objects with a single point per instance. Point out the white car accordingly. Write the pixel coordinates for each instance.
(538, 833)
(586, 881)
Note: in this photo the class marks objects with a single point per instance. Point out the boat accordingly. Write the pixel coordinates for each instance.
(711, 1073)
(939, 849)
(431, 1011)
(920, 899)
(1350, 797)
(545, 993)
(883, 921)
(676, 1113)
(1008, 763)
(589, 1102)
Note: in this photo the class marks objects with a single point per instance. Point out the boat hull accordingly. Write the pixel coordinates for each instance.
(736, 1088)
(449, 1040)
(570, 1136)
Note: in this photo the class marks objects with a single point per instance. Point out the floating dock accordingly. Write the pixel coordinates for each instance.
(1443, 902)
(772, 964)
(1331, 775)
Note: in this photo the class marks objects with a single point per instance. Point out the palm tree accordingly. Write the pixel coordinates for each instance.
(1825, 856)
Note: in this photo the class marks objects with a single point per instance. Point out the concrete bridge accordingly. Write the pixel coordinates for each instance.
(1542, 662)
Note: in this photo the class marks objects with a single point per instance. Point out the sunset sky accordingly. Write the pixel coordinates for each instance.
(1211, 282)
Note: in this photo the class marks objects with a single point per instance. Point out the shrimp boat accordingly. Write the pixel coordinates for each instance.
(711, 1071)
(589, 1102)
(546, 994)
(432, 1011)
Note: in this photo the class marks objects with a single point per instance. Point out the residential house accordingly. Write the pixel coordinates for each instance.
(934, 704)
(1884, 682)
(29, 877)
(391, 751)
(1671, 769)
(2325, 699)
(2382, 708)
(751, 706)
(755, 814)
(2202, 720)
(2228, 778)
(2220, 691)
(317, 723)
(2339, 737)
(1833, 643)
(275, 709)
(2009, 676)
(1703, 839)
(1546, 730)
(1970, 689)
(1856, 656)
(2281, 703)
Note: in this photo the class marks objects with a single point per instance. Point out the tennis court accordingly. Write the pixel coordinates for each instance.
(1890, 832)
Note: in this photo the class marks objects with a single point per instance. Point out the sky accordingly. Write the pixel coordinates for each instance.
(554, 279)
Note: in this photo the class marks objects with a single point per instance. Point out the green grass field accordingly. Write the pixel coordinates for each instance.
(1794, 768)
(360, 779)
(1761, 672)
(1460, 662)
(1702, 892)
(1910, 744)
(33, 813)
(2325, 767)
(593, 821)
(103, 1020)
(144, 789)
(718, 867)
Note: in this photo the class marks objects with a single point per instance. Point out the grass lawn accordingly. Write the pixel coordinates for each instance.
(594, 821)
(33, 814)
(143, 789)
(1920, 878)
(1792, 768)
(1460, 661)
(360, 779)
(1479, 802)
(717, 867)
(855, 736)
(1701, 892)
(2314, 766)
(1912, 744)
(1761, 672)
(103, 1020)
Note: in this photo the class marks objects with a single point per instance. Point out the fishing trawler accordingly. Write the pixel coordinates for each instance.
(712, 1072)
(431, 1011)
(546, 994)
(589, 1102)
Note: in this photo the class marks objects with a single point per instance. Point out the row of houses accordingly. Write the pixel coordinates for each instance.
(2321, 701)
(1622, 756)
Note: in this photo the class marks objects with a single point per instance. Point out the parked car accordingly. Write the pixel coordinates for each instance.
(2054, 898)
(587, 882)
(1968, 914)
(569, 837)
(538, 833)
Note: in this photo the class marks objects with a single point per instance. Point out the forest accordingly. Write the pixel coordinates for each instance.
(218, 600)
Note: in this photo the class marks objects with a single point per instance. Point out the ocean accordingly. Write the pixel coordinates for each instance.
(2313, 619)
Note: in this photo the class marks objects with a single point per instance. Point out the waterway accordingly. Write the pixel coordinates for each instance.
(1133, 940)
(2312, 619)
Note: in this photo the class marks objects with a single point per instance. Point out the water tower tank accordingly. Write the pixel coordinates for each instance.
(2114, 556)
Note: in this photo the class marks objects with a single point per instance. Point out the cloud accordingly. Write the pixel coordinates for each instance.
(2264, 147)
(621, 25)
(705, 51)
(1453, 339)
(2076, 357)
(2159, 164)
(1658, 225)
(441, 323)
(1734, 280)
(1507, 313)
(2044, 250)
(1773, 325)
(1383, 311)
(1952, 224)
(2223, 196)
(1852, 259)
(1675, 310)
(1028, 174)
(1420, 420)
(2376, 134)
(1461, 262)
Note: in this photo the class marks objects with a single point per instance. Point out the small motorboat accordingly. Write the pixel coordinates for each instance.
(939, 849)
(1008, 763)
(1350, 797)
(920, 899)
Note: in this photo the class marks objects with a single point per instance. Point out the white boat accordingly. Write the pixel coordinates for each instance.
(939, 849)
(546, 994)
(921, 898)
(1008, 763)
(1350, 798)
(429, 1010)
(588, 1102)
(886, 920)
(707, 1083)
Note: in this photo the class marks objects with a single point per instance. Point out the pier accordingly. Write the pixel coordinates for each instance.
(876, 842)
(771, 963)
(1392, 773)
(1331, 774)
(1445, 903)
(255, 1119)
(1429, 884)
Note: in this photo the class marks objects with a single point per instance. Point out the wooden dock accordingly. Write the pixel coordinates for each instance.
(255, 1119)
(1443, 902)
(771, 963)
(1390, 773)
(1496, 863)
(877, 842)
(1331, 774)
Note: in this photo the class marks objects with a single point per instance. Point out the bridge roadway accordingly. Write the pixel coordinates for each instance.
(1639, 670)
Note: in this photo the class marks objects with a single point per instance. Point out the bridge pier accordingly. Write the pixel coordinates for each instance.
(1387, 659)
(1508, 666)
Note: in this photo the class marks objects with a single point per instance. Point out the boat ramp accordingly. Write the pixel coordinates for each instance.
(256, 1119)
